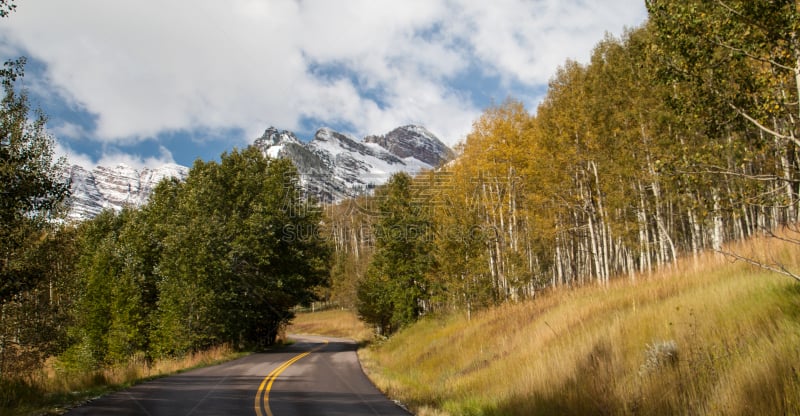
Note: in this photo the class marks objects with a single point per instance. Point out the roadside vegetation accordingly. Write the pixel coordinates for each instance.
(337, 323)
(706, 337)
(53, 389)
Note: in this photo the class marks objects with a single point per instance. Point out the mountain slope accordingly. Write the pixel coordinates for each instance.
(113, 188)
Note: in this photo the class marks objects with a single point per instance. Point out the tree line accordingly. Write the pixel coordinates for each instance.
(675, 138)
(206, 261)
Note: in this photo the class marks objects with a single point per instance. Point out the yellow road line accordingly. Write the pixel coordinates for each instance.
(262, 395)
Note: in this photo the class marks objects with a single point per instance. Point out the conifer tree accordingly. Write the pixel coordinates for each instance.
(396, 287)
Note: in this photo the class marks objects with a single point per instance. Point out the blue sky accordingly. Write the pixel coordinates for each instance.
(152, 82)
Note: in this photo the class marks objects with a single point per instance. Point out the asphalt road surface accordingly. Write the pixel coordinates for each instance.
(314, 376)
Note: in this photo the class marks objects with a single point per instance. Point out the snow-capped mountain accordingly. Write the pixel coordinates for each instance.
(334, 166)
(104, 188)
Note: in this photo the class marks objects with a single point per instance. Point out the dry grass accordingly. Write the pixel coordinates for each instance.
(334, 322)
(51, 390)
(708, 337)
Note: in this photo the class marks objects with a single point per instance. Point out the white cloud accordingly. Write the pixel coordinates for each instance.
(528, 40)
(149, 67)
(112, 157)
(70, 130)
(115, 157)
(73, 157)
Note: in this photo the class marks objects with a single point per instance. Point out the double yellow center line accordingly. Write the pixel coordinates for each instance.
(262, 395)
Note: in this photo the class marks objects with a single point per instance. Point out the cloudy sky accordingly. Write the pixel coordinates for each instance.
(148, 82)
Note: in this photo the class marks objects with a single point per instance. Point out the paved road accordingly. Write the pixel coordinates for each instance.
(315, 376)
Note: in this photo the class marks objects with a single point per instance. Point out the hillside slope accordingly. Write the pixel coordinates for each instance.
(709, 337)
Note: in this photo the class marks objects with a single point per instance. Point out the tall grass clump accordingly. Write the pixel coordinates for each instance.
(708, 337)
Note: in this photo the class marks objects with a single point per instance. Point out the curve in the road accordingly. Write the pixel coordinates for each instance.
(328, 381)
(314, 376)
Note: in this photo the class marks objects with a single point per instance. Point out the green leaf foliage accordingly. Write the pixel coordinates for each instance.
(35, 252)
(31, 186)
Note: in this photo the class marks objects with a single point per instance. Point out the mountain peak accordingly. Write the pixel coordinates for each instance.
(275, 141)
(335, 165)
(414, 141)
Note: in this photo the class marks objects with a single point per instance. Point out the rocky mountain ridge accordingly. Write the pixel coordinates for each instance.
(115, 187)
(332, 166)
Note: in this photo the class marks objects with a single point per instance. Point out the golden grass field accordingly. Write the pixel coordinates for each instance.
(708, 337)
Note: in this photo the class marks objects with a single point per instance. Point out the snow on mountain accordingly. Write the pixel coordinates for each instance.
(332, 166)
(113, 188)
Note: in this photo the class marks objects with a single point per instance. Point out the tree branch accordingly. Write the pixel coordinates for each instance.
(761, 126)
(781, 238)
(716, 170)
(776, 267)
(770, 61)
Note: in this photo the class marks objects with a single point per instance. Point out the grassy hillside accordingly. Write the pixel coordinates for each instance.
(708, 337)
